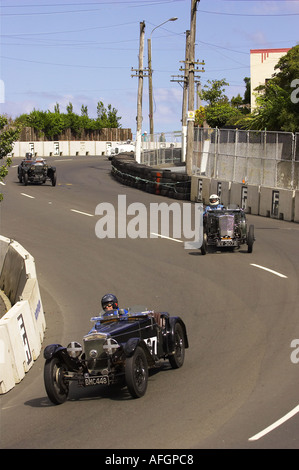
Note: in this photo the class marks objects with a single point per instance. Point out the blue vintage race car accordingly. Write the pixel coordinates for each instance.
(120, 348)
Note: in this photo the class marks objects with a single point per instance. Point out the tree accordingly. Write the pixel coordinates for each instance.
(8, 135)
(215, 92)
(277, 107)
(200, 116)
(222, 114)
(219, 112)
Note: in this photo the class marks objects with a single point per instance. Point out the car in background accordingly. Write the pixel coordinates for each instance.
(226, 228)
(35, 171)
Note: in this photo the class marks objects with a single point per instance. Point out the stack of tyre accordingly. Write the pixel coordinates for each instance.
(163, 182)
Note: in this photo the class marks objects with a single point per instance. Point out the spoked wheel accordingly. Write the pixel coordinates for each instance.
(177, 359)
(250, 238)
(137, 373)
(204, 246)
(56, 387)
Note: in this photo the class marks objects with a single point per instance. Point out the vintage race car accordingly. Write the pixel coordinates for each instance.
(120, 349)
(226, 228)
(36, 171)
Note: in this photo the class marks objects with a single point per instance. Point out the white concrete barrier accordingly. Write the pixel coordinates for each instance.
(277, 203)
(60, 148)
(22, 327)
(222, 188)
(296, 206)
(7, 378)
(200, 189)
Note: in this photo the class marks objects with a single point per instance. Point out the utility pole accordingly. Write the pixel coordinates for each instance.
(190, 121)
(139, 74)
(150, 77)
(185, 80)
(185, 96)
(150, 88)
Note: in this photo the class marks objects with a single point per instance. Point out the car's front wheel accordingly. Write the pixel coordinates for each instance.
(25, 179)
(56, 387)
(137, 373)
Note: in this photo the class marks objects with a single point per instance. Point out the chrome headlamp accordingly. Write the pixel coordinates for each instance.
(74, 349)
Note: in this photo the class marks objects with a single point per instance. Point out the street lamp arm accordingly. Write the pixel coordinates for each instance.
(174, 18)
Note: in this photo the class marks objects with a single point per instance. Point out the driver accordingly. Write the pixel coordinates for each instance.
(110, 304)
(214, 203)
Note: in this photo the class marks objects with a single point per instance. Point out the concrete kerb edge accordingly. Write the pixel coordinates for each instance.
(23, 319)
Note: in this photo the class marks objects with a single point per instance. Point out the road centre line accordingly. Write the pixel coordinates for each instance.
(275, 425)
(27, 195)
(168, 238)
(269, 270)
(84, 213)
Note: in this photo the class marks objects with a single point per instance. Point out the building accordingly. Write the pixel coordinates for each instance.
(262, 63)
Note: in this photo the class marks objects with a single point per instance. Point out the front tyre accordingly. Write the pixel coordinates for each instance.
(177, 359)
(56, 387)
(137, 373)
(25, 179)
(204, 246)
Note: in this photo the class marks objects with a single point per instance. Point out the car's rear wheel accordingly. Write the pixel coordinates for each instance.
(177, 359)
(137, 373)
(250, 238)
(56, 387)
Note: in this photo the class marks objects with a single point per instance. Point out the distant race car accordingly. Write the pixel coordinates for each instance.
(226, 228)
(35, 171)
(120, 348)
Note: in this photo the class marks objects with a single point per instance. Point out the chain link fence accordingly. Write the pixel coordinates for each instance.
(161, 149)
(251, 157)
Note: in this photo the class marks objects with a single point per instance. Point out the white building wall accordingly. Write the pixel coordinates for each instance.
(262, 63)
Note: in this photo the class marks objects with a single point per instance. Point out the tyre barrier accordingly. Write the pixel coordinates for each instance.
(22, 327)
(155, 181)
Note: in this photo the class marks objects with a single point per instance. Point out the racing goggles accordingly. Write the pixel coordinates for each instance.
(108, 305)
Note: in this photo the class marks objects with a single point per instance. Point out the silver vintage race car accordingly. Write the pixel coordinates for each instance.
(226, 228)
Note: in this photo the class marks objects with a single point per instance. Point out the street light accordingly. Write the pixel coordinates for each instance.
(150, 74)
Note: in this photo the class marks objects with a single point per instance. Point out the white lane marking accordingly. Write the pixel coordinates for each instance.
(84, 213)
(275, 425)
(27, 195)
(1, 182)
(269, 270)
(64, 160)
(168, 238)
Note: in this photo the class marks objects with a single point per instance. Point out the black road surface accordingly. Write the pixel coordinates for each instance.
(238, 381)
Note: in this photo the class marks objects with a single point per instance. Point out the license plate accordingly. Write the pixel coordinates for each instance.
(228, 242)
(96, 380)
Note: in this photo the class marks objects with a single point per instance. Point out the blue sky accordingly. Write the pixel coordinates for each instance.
(82, 51)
